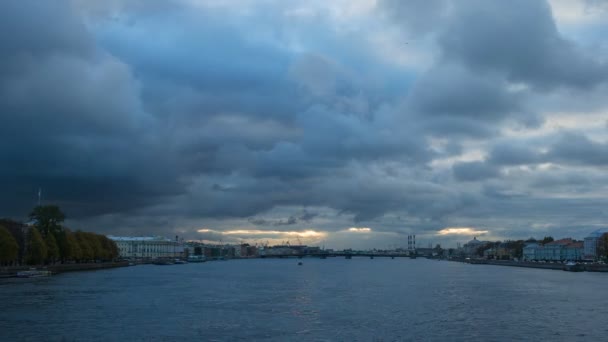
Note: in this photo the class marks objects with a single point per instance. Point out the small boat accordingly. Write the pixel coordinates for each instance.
(33, 273)
(300, 263)
(163, 262)
(180, 262)
(571, 266)
(197, 258)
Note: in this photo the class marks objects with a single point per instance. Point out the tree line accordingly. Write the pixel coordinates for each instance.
(46, 241)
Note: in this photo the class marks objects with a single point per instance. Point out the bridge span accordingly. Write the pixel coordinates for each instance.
(346, 255)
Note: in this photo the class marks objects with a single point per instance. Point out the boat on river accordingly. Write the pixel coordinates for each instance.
(571, 266)
(196, 258)
(163, 262)
(33, 273)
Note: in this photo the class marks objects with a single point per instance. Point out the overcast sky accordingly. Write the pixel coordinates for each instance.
(345, 123)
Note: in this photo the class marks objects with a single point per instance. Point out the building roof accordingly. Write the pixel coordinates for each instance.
(578, 244)
(598, 233)
(138, 238)
(565, 241)
(474, 242)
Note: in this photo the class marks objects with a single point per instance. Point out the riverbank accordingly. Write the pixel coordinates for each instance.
(546, 266)
(7, 272)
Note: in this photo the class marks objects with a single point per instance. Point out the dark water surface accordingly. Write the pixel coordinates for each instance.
(323, 300)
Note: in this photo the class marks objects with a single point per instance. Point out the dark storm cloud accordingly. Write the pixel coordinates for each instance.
(418, 16)
(520, 39)
(474, 171)
(514, 153)
(71, 119)
(567, 148)
(462, 94)
(454, 101)
(305, 216)
(291, 220)
(574, 147)
(571, 181)
(21, 32)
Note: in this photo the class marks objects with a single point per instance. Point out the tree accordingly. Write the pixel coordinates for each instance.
(48, 218)
(17, 230)
(36, 248)
(546, 240)
(77, 253)
(9, 248)
(516, 248)
(110, 248)
(86, 250)
(52, 253)
(95, 244)
(68, 246)
(106, 252)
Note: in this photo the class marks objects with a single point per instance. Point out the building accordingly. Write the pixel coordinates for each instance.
(559, 250)
(591, 243)
(500, 252)
(553, 250)
(529, 251)
(147, 247)
(470, 248)
(573, 251)
(245, 250)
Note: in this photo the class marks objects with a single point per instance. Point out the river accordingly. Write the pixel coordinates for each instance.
(323, 300)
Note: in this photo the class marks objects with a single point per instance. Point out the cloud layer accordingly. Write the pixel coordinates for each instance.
(163, 117)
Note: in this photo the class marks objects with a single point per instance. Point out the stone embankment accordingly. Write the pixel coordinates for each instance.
(61, 268)
(545, 265)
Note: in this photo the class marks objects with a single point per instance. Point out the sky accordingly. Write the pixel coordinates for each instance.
(344, 124)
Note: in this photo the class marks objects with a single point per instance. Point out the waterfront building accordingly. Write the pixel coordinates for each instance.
(529, 251)
(501, 252)
(591, 243)
(573, 251)
(559, 250)
(279, 250)
(470, 248)
(424, 252)
(553, 250)
(287, 250)
(245, 250)
(147, 247)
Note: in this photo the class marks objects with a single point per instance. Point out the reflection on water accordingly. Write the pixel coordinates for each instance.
(323, 300)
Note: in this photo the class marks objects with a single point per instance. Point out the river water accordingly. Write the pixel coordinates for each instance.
(323, 300)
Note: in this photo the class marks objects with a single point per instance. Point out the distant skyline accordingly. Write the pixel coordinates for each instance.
(347, 123)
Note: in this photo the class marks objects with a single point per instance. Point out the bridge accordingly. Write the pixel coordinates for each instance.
(347, 255)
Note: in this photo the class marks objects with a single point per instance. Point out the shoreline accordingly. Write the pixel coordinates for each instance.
(11, 271)
(546, 266)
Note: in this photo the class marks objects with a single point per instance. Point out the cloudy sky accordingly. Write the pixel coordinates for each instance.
(346, 123)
